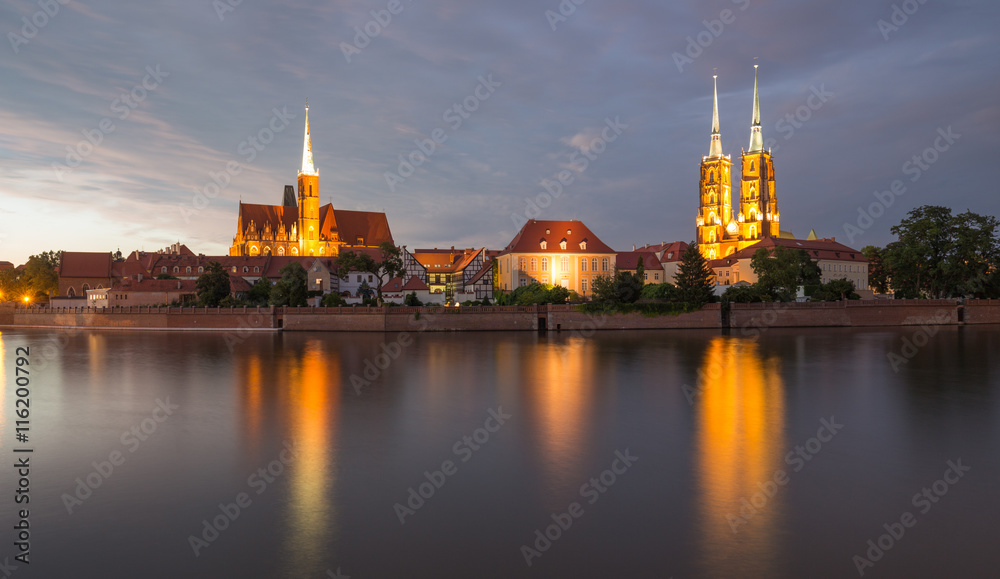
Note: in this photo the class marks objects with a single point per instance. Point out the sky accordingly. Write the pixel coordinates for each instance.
(134, 125)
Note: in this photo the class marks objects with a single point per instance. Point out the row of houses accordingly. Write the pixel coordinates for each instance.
(565, 253)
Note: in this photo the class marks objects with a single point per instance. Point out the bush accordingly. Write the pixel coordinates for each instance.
(835, 290)
(412, 300)
(659, 291)
(742, 294)
(537, 294)
(332, 300)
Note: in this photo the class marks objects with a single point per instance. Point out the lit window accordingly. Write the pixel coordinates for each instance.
(234, 269)
(545, 279)
(534, 264)
(545, 264)
(583, 285)
(564, 264)
(522, 263)
(593, 264)
(583, 264)
(604, 264)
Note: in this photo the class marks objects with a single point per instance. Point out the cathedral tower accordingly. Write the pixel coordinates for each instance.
(717, 231)
(758, 217)
(308, 222)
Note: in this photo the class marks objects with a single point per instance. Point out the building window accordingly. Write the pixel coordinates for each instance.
(281, 250)
(564, 264)
(234, 269)
(246, 269)
(545, 279)
(522, 263)
(544, 244)
(545, 264)
(524, 282)
(593, 264)
(163, 270)
(562, 244)
(319, 281)
(187, 269)
(201, 269)
(604, 264)
(645, 276)
(359, 278)
(656, 276)
(583, 264)
(534, 264)
(583, 285)
(177, 269)
(369, 278)
(256, 269)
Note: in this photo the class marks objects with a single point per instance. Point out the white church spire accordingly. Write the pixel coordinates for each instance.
(307, 154)
(715, 149)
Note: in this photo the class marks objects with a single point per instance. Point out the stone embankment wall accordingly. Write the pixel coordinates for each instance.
(861, 313)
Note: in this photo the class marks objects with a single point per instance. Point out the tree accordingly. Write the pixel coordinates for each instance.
(388, 266)
(917, 260)
(659, 291)
(213, 285)
(292, 288)
(975, 255)
(260, 292)
(878, 276)
(694, 278)
(39, 274)
(12, 286)
(536, 293)
(742, 294)
(781, 271)
(332, 300)
(412, 300)
(835, 290)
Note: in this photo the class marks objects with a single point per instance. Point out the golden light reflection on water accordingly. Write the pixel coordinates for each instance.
(314, 392)
(3, 390)
(740, 443)
(562, 376)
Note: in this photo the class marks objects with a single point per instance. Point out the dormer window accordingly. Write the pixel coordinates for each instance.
(547, 232)
(583, 244)
(201, 269)
(569, 232)
(361, 240)
(562, 244)
(543, 244)
(177, 269)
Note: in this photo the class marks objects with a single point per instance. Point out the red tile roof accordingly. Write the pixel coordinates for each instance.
(529, 239)
(445, 260)
(6, 265)
(396, 285)
(85, 264)
(816, 248)
(667, 251)
(479, 274)
(371, 226)
(630, 260)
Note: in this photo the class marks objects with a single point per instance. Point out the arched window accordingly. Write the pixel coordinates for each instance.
(187, 269)
(593, 264)
(604, 264)
(711, 176)
(163, 269)
(245, 269)
(564, 264)
(534, 264)
(85, 287)
(751, 165)
(281, 251)
(583, 264)
(201, 269)
(711, 199)
(711, 236)
(71, 293)
(711, 218)
(545, 264)
(711, 254)
(753, 232)
(254, 250)
(522, 264)
(256, 269)
(177, 269)
(322, 250)
(267, 250)
(295, 250)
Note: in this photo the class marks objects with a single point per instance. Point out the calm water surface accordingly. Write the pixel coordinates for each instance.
(713, 421)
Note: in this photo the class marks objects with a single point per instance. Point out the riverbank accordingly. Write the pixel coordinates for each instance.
(858, 313)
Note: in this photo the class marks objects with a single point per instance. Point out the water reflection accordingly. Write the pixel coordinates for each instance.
(739, 442)
(315, 397)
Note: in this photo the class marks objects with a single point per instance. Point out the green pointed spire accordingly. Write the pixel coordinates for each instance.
(715, 149)
(756, 139)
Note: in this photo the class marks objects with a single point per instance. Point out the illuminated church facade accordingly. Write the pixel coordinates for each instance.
(300, 226)
(721, 229)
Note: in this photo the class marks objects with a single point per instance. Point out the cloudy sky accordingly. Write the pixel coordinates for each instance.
(116, 115)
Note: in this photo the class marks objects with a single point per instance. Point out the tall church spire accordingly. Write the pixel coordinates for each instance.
(756, 140)
(307, 153)
(715, 150)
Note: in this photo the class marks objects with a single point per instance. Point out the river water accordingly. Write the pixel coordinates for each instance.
(639, 454)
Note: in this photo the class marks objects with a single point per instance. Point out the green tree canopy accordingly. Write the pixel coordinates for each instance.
(387, 266)
(39, 274)
(878, 275)
(260, 292)
(293, 287)
(213, 285)
(694, 278)
(937, 254)
(781, 271)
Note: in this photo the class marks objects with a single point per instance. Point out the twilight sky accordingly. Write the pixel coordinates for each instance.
(172, 92)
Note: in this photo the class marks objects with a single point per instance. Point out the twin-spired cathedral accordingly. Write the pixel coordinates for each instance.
(300, 226)
(720, 230)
